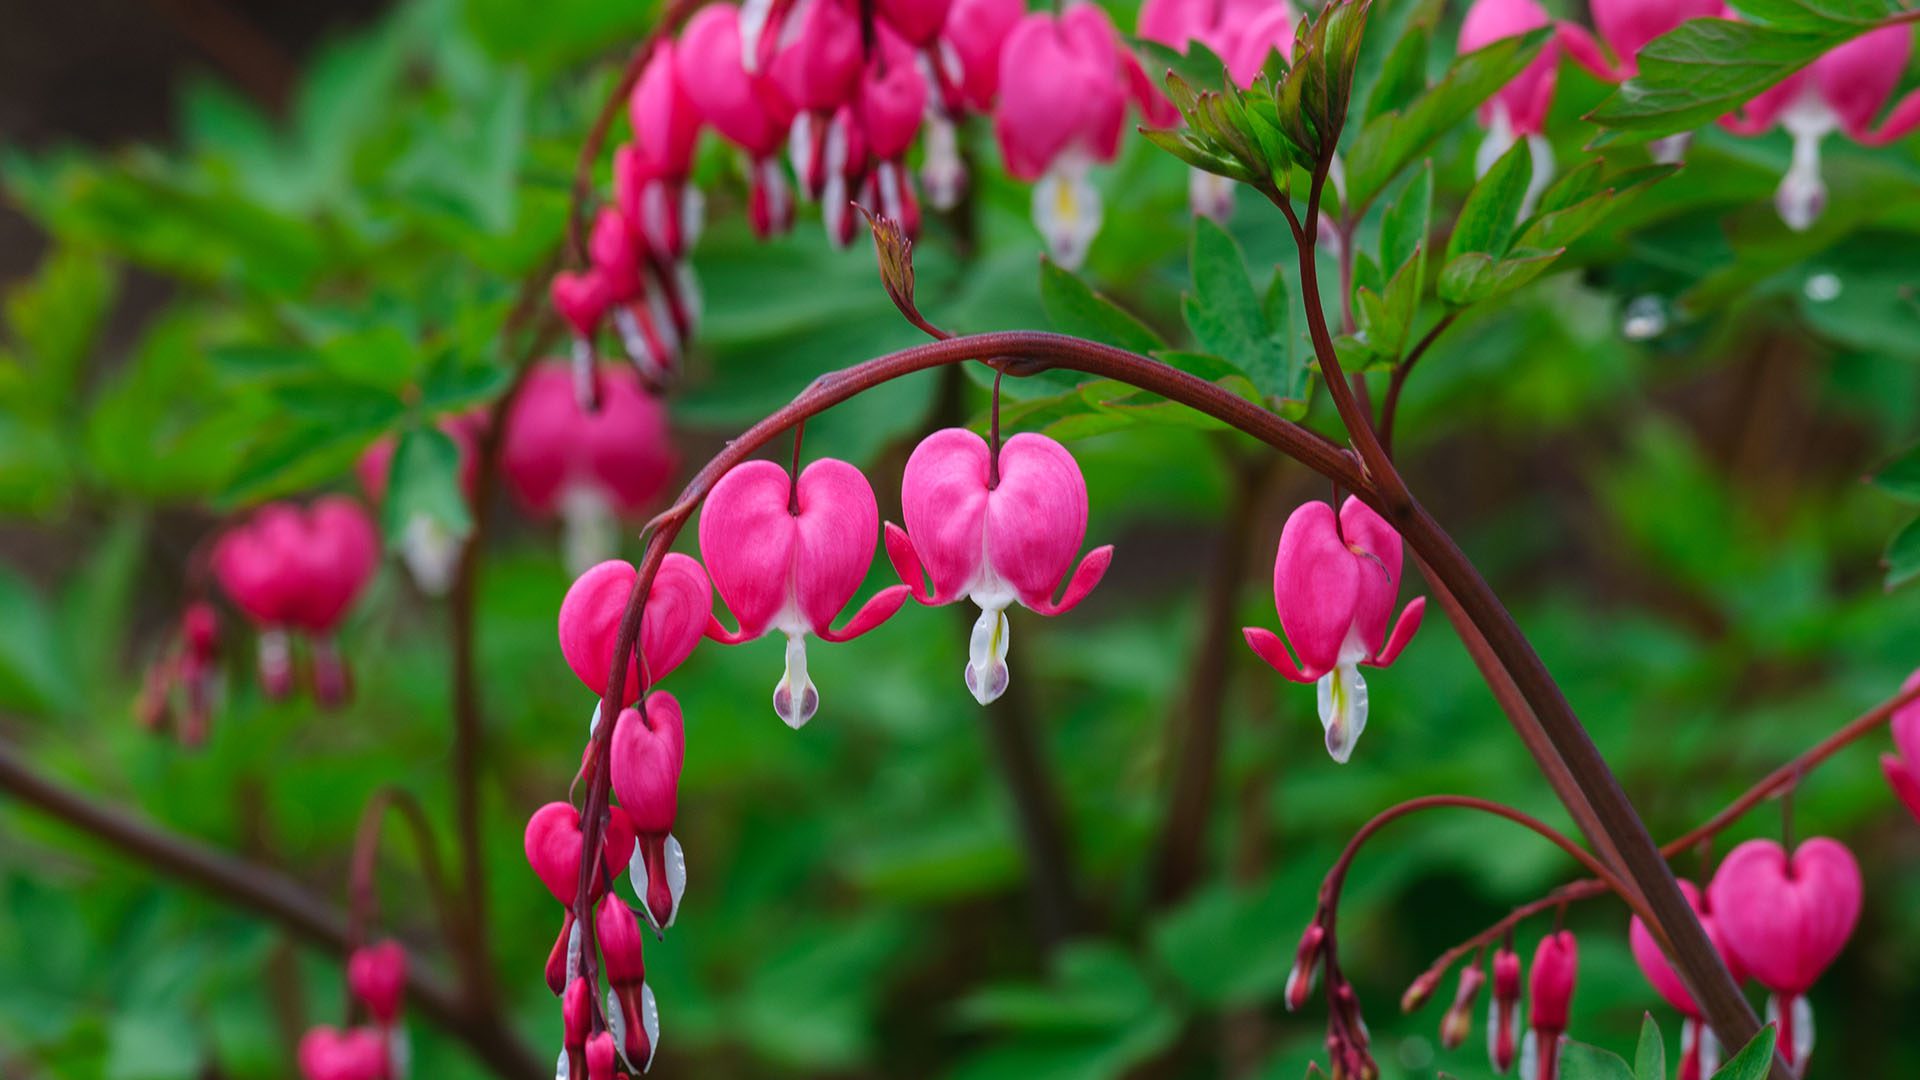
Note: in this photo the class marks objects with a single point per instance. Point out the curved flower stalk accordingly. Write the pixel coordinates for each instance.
(430, 552)
(1063, 105)
(787, 554)
(745, 107)
(1335, 582)
(1519, 109)
(1786, 917)
(1243, 33)
(297, 571)
(1843, 91)
(997, 531)
(588, 468)
(1699, 1050)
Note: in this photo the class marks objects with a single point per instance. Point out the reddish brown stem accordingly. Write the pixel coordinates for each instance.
(1390, 407)
(363, 893)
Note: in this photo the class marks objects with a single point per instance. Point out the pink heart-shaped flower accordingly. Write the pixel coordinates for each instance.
(553, 843)
(1653, 962)
(748, 109)
(679, 606)
(377, 975)
(581, 298)
(1787, 919)
(330, 1054)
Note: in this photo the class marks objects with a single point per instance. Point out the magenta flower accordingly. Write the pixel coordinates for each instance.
(328, 1053)
(747, 108)
(1627, 26)
(648, 751)
(679, 604)
(1699, 1051)
(1063, 105)
(297, 571)
(664, 208)
(975, 33)
(602, 1057)
(1503, 1020)
(1334, 585)
(588, 468)
(1903, 767)
(1519, 110)
(636, 1023)
(1555, 963)
(553, 843)
(651, 298)
(892, 103)
(189, 665)
(1843, 91)
(996, 533)
(583, 299)
(576, 1029)
(817, 57)
(787, 555)
(1787, 918)
(1457, 1022)
(377, 975)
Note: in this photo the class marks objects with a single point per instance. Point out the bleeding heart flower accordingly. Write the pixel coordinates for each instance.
(892, 103)
(1504, 1019)
(679, 606)
(431, 552)
(1699, 1052)
(1334, 584)
(975, 33)
(647, 755)
(787, 555)
(816, 62)
(653, 296)
(331, 1054)
(747, 108)
(1787, 919)
(1063, 105)
(1555, 963)
(576, 1028)
(553, 842)
(1843, 91)
(190, 664)
(1903, 768)
(666, 126)
(589, 468)
(299, 570)
(1627, 26)
(377, 975)
(621, 948)
(583, 300)
(996, 533)
(602, 1057)
(1519, 109)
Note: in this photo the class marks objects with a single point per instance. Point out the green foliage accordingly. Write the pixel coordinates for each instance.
(1753, 1060)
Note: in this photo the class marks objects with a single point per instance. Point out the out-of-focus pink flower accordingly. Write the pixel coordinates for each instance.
(976, 32)
(653, 297)
(817, 59)
(589, 468)
(1555, 963)
(328, 1053)
(648, 750)
(1457, 1023)
(918, 22)
(996, 533)
(1843, 91)
(1503, 1041)
(576, 1025)
(1903, 767)
(377, 975)
(679, 605)
(295, 570)
(1786, 919)
(583, 299)
(1627, 26)
(787, 555)
(664, 208)
(1519, 109)
(190, 665)
(747, 108)
(1699, 1052)
(893, 101)
(1335, 583)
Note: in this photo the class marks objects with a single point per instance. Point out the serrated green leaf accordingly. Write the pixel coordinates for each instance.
(1228, 318)
(1492, 211)
(1073, 307)
(1753, 1060)
(1391, 141)
(1578, 1061)
(1477, 277)
(1650, 1058)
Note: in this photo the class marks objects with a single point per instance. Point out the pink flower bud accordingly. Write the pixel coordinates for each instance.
(1420, 991)
(787, 556)
(1308, 959)
(678, 609)
(601, 1057)
(377, 975)
(582, 299)
(1787, 918)
(892, 103)
(621, 948)
(666, 120)
(1555, 963)
(327, 1053)
(576, 1024)
(1503, 1041)
(995, 535)
(975, 33)
(1457, 1023)
(1903, 767)
(1653, 962)
(1334, 585)
(647, 754)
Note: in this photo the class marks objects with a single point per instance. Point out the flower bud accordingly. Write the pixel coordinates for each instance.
(1502, 1038)
(377, 975)
(1457, 1024)
(1306, 967)
(621, 950)
(1419, 993)
(600, 1057)
(576, 1018)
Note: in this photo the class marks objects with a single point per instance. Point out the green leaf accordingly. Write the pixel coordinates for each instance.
(1492, 211)
(54, 319)
(1476, 277)
(1650, 1059)
(1578, 1061)
(1753, 1060)
(1901, 477)
(1228, 318)
(1706, 68)
(1391, 141)
(1403, 75)
(1902, 558)
(1073, 307)
(33, 668)
(1197, 66)
(1313, 98)
(424, 482)
(1403, 231)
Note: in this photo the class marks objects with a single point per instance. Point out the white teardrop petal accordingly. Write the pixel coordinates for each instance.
(650, 1019)
(617, 1023)
(676, 876)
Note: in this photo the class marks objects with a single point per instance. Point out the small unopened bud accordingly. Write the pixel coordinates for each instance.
(559, 965)
(377, 975)
(894, 250)
(621, 948)
(1502, 1036)
(576, 1018)
(1420, 992)
(1307, 961)
(1457, 1024)
(600, 1057)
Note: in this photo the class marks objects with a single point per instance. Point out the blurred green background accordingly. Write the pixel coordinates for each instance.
(228, 282)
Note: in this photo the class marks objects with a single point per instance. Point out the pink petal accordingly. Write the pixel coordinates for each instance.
(837, 528)
(748, 109)
(1085, 577)
(1316, 585)
(1267, 646)
(1037, 518)
(820, 67)
(676, 615)
(666, 123)
(1379, 550)
(1403, 632)
(1906, 786)
(647, 755)
(748, 541)
(878, 609)
(1653, 962)
(906, 562)
(1787, 921)
(977, 30)
(943, 500)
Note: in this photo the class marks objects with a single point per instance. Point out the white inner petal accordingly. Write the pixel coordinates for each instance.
(1210, 196)
(650, 1020)
(1498, 140)
(563, 1069)
(431, 553)
(573, 953)
(794, 697)
(1067, 209)
(1530, 1057)
(1543, 169)
(676, 876)
(987, 674)
(1343, 708)
(616, 1023)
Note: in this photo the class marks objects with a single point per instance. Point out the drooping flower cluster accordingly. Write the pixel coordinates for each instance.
(377, 1050)
(1335, 582)
(182, 688)
(295, 572)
